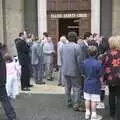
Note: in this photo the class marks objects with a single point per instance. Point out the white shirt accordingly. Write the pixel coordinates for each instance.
(85, 42)
(48, 47)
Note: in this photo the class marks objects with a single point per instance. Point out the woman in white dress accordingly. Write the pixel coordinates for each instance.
(13, 76)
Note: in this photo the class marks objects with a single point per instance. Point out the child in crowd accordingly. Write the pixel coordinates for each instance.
(92, 70)
(13, 74)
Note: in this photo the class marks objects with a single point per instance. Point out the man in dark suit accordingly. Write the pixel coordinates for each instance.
(10, 113)
(24, 60)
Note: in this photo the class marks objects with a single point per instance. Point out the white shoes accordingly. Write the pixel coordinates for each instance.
(100, 105)
(87, 116)
(97, 117)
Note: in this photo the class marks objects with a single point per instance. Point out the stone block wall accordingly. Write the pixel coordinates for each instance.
(14, 10)
(1, 22)
(116, 17)
(30, 16)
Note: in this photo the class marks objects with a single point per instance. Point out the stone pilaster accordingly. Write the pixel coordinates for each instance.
(1, 23)
(116, 17)
(42, 16)
(14, 10)
(95, 16)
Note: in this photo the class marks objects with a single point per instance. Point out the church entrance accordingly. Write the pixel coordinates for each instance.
(68, 25)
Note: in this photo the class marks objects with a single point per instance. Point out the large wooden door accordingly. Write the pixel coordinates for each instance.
(68, 25)
(53, 29)
(84, 25)
(58, 7)
(64, 5)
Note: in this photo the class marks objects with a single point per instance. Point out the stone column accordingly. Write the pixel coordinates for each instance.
(1, 23)
(106, 18)
(42, 17)
(95, 16)
(14, 22)
(116, 17)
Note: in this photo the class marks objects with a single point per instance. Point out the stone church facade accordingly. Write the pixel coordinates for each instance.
(57, 17)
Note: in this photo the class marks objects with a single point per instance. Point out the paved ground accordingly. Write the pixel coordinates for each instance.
(45, 107)
(46, 102)
(49, 88)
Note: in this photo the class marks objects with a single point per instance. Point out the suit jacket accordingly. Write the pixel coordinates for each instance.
(71, 56)
(2, 70)
(23, 51)
(84, 48)
(59, 48)
(37, 54)
(48, 50)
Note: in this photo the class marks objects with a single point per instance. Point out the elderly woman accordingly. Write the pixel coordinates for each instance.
(111, 62)
(61, 43)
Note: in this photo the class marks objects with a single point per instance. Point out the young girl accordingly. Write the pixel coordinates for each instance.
(92, 85)
(13, 73)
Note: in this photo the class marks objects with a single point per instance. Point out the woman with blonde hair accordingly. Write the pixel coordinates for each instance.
(111, 63)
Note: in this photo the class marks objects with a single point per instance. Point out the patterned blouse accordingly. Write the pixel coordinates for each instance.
(111, 67)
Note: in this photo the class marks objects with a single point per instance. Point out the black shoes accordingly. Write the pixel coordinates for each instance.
(59, 84)
(41, 83)
(26, 89)
(30, 85)
(50, 79)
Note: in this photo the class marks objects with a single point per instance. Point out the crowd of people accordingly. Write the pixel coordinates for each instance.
(86, 65)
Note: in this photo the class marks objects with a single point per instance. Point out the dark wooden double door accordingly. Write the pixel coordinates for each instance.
(68, 25)
(58, 27)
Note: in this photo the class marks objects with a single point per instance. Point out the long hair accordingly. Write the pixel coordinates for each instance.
(104, 45)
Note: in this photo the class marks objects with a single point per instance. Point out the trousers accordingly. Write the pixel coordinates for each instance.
(9, 110)
(114, 101)
(72, 83)
(12, 86)
(38, 73)
(61, 76)
(48, 70)
(25, 76)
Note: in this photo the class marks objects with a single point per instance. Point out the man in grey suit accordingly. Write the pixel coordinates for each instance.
(71, 57)
(37, 62)
(48, 51)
